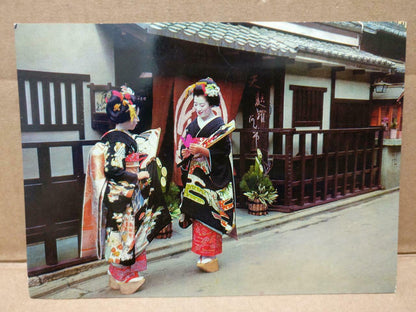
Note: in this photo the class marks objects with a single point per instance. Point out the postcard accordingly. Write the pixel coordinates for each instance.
(173, 159)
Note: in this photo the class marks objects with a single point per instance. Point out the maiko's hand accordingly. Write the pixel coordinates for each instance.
(185, 153)
(198, 149)
(143, 175)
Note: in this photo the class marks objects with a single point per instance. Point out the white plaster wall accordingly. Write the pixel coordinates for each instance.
(66, 48)
(347, 89)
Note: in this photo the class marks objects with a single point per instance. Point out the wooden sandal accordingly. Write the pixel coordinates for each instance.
(210, 267)
(131, 286)
(113, 283)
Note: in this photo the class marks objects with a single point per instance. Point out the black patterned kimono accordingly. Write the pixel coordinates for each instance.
(135, 216)
(208, 194)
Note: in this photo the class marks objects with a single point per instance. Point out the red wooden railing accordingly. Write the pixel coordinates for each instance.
(313, 167)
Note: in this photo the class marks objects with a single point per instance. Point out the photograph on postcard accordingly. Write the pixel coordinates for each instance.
(174, 159)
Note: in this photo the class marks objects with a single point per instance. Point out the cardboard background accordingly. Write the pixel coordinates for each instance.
(12, 229)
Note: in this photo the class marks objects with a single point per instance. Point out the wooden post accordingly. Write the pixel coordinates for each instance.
(335, 191)
(288, 168)
(314, 150)
(302, 138)
(380, 155)
(78, 161)
(243, 136)
(354, 177)
(34, 102)
(51, 252)
(327, 139)
(347, 147)
(363, 184)
(79, 94)
(279, 86)
(22, 100)
(68, 103)
(334, 71)
(58, 106)
(373, 146)
(46, 102)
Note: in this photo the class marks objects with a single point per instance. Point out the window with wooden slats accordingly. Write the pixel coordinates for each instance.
(307, 106)
(51, 101)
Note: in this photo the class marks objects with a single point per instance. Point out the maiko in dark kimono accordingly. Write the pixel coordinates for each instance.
(208, 194)
(122, 210)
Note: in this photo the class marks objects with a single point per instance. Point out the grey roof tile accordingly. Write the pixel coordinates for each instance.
(190, 31)
(372, 27)
(203, 34)
(263, 40)
(399, 67)
(330, 49)
(388, 27)
(353, 26)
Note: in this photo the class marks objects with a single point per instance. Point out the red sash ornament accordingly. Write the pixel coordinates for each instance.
(134, 161)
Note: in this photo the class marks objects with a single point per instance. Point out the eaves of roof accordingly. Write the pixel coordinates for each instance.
(330, 50)
(387, 27)
(225, 35)
(351, 26)
(266, 41)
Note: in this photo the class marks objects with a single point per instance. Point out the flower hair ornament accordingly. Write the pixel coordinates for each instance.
(120, 105)
(128, 95)
(212, 90)
(125, 89)
(208, 86)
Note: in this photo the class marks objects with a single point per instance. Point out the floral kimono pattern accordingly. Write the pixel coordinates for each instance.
(130, 214)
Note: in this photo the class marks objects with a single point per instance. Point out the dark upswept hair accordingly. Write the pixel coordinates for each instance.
(121, 106)
(199, 90)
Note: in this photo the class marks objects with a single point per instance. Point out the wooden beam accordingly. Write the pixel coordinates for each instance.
(338, 68)
(51, 76)
(351, 101)
(289, 61)
(279, 91)
(307, 88)
(358, 72)
(314, 65)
